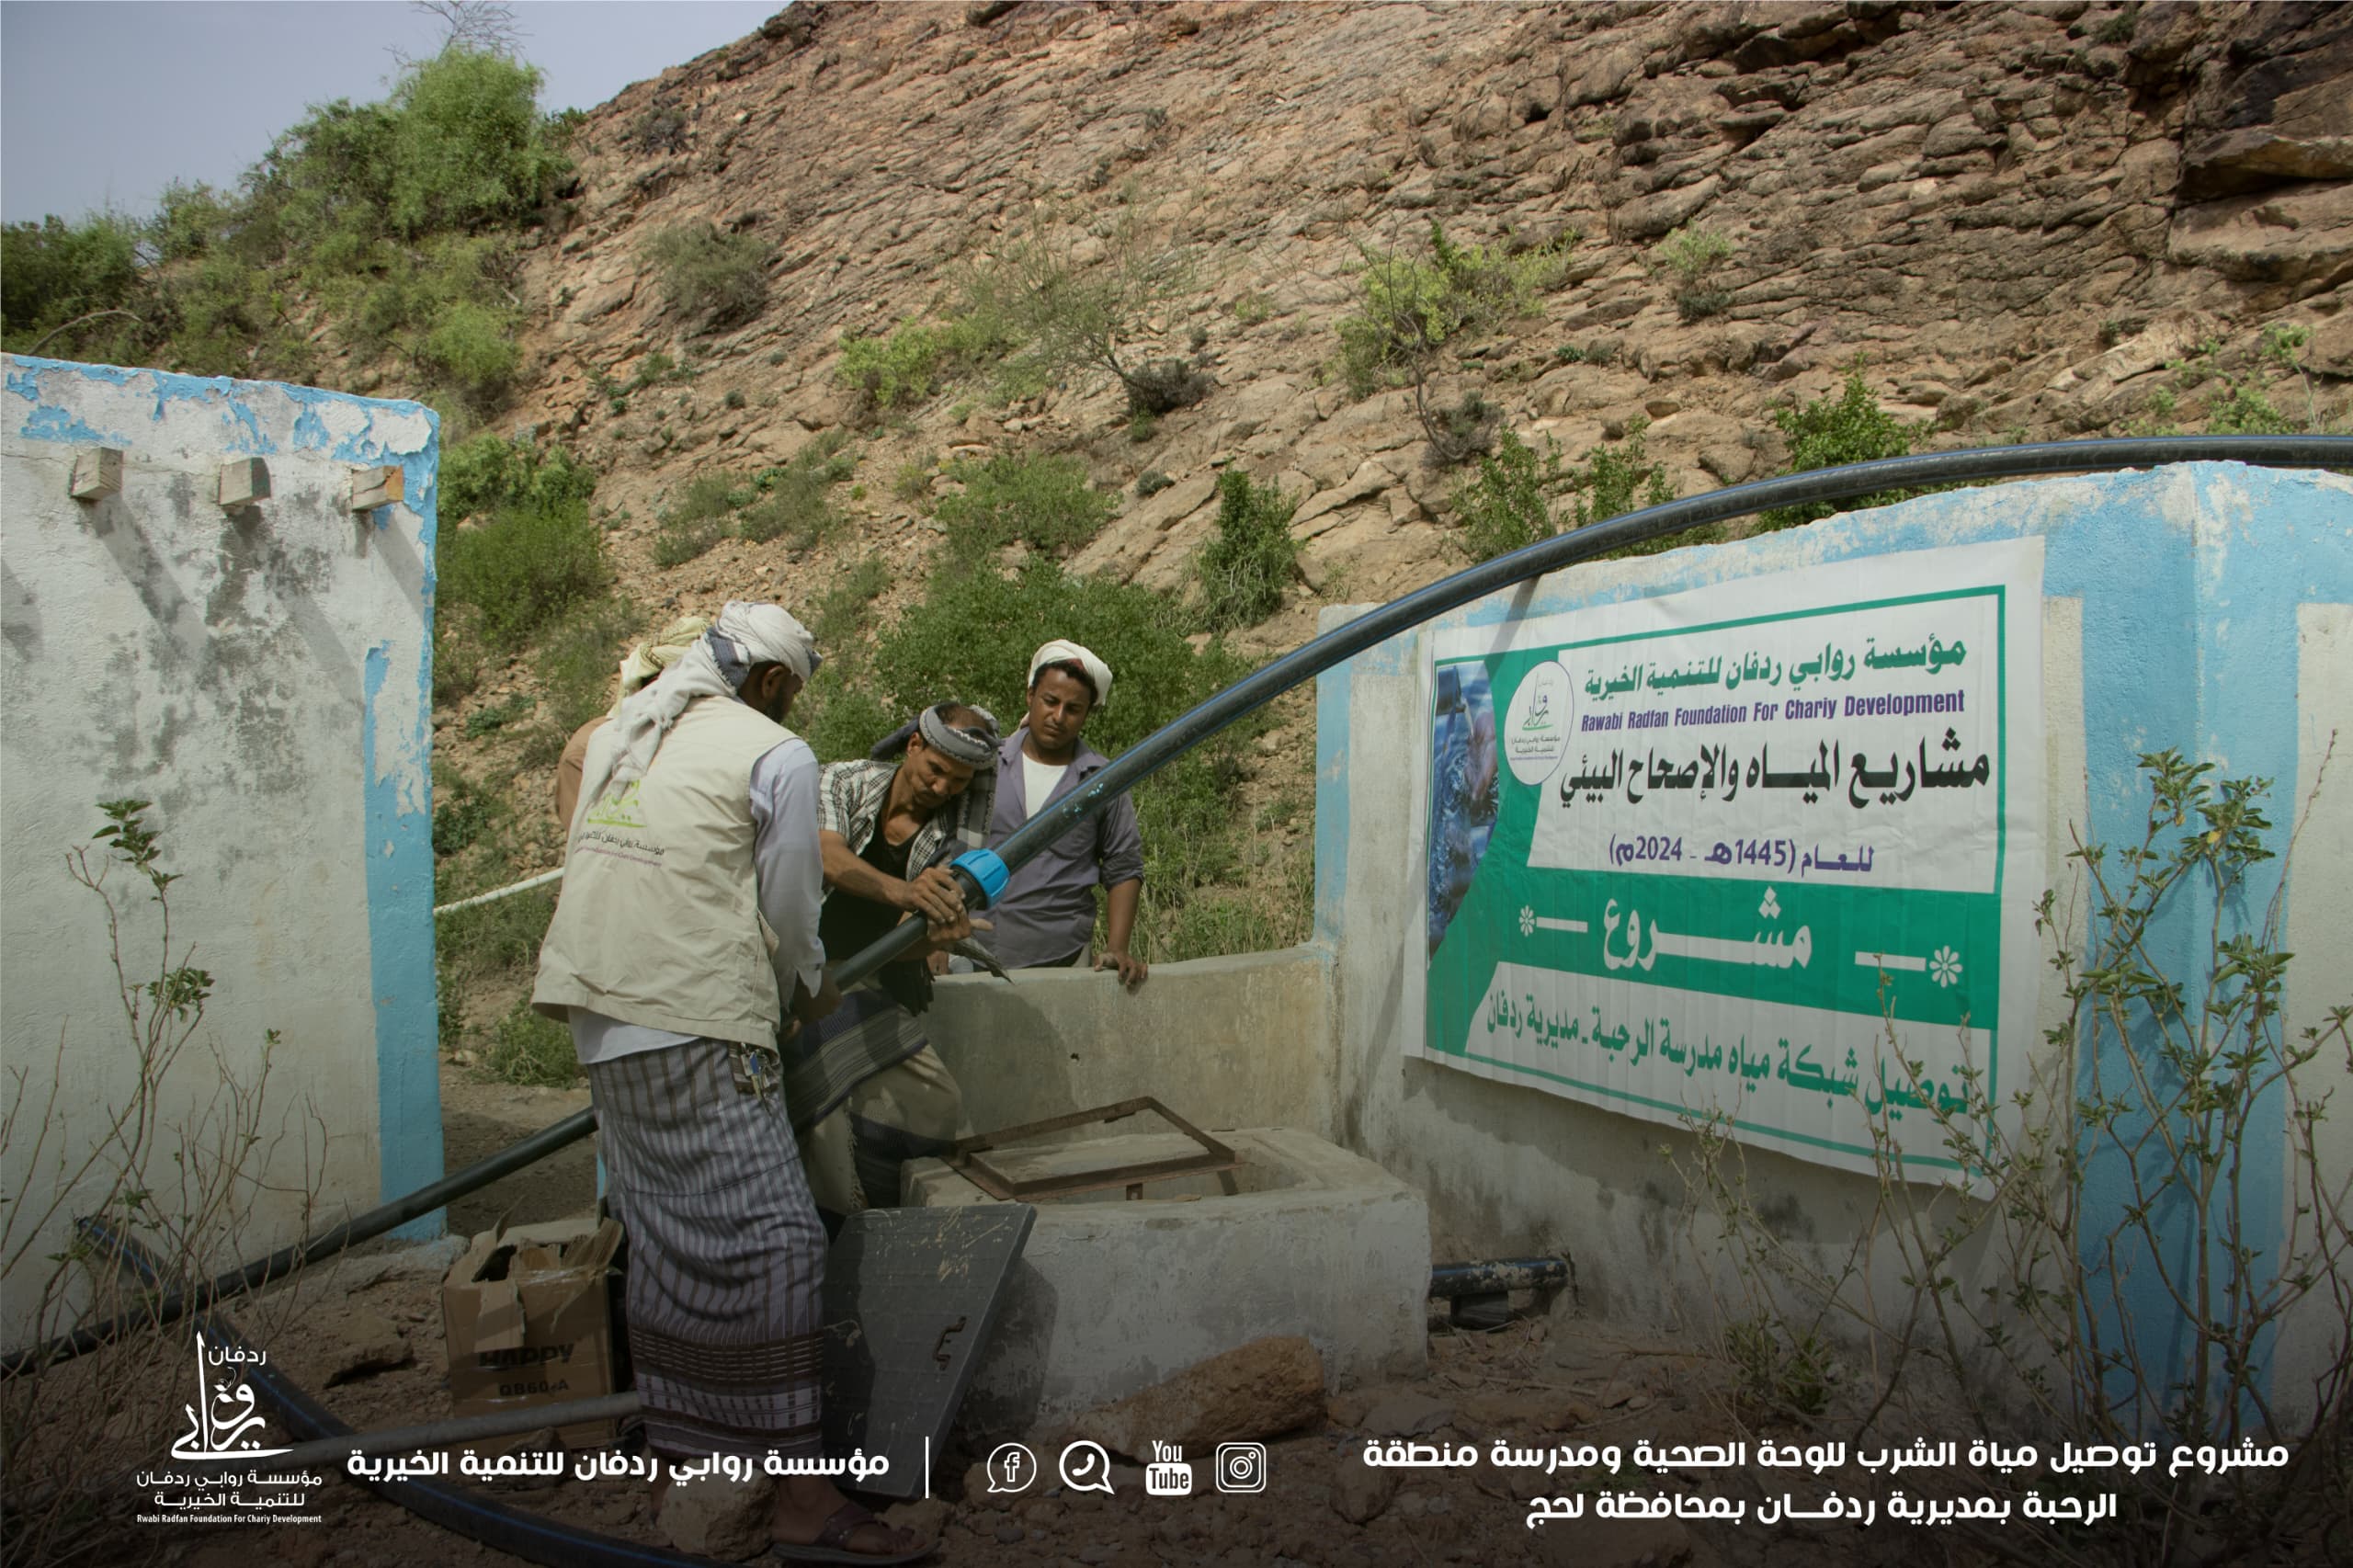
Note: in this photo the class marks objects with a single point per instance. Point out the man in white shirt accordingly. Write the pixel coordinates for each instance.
(686, 930)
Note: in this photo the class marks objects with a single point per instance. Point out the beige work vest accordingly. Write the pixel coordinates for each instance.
(659, 923)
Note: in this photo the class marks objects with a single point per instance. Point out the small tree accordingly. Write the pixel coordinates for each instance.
(1508, 505)
(1408, 309)
(1083, 317)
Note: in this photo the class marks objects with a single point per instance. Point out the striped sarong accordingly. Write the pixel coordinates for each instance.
(876, 1096)
(725, 1253)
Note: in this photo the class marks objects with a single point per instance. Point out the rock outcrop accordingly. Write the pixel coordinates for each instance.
(2017, 217)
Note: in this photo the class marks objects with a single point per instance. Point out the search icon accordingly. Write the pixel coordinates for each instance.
(1086, 1467)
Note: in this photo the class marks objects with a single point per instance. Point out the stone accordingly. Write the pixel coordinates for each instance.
(2330, 351)
(1407, 1414)
(1360, 1492)
(1649, 217)
(1603, 78)
(2298, 235)
(715, 1517)
(1263, 1387)
(2256, 156)
(927, 1516)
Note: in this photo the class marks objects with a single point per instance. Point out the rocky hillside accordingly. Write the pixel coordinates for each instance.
(2020, 215)
(2022, 221)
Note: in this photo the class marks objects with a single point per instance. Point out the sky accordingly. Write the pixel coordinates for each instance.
(103, 104)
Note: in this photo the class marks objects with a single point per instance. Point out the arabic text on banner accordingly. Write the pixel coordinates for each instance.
(1706, 852)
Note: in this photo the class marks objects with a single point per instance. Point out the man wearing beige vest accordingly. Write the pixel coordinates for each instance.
(688, 928)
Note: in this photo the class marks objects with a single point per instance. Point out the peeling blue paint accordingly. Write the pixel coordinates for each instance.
(49, 422)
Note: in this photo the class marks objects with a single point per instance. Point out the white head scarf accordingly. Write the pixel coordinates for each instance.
(746, 634)
(650, 658)
(1060, 651)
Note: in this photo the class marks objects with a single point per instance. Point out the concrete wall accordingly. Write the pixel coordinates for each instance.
(2208, 608)
(1224, 1043)
(263, 677)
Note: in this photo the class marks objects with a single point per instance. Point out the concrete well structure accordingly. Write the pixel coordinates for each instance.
(209, 625)
(1114, 1293)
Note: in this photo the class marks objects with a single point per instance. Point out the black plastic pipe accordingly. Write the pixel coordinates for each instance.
(176, 1304)
(1450, 1280)
(1165, 744)
(529, 1535)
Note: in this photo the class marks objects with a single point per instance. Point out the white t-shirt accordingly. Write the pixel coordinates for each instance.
(1038, 781)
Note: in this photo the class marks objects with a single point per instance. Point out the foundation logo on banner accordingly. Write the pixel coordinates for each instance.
(224, 1434)
(1537, 724)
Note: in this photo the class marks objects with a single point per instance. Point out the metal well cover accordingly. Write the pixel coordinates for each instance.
(911, 1297)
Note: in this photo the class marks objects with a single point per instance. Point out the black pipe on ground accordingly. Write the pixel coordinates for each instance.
(1157, 750)
(178, 1304)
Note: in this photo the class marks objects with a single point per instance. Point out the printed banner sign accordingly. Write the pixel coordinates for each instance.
(1711, 852)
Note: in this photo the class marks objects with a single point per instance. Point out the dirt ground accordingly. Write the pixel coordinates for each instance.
(478, 1120)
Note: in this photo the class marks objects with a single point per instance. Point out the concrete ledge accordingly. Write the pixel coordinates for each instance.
(1223, 1042)
(1113, 1295)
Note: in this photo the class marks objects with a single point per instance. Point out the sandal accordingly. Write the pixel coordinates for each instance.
(832, 1545)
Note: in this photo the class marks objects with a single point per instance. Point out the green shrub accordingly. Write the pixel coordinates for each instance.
(893, 371)
(1692, 257)
(1043, 502)
(798, 510)
(1830, 432)
(471, 351)
(1615, 475)
(1508, 505)
(496, 716)
(1244, 569)
(910, 364)
(490, 471)
(714, 281)
(457, 653)
(468, 145)
(972, 634)
(529, 1050)
(2246, 409)
(1407, 309)
(525, 568)
(679, 541)
(1151, 482)
(1252, 308)
(52, 272)
(460, 814)
(660, 128)
(913, 483)
(499, 937)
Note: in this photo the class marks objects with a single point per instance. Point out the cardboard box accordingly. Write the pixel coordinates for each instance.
(528, 1321)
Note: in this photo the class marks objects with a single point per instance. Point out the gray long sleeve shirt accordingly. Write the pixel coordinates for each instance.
(1047, 911)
